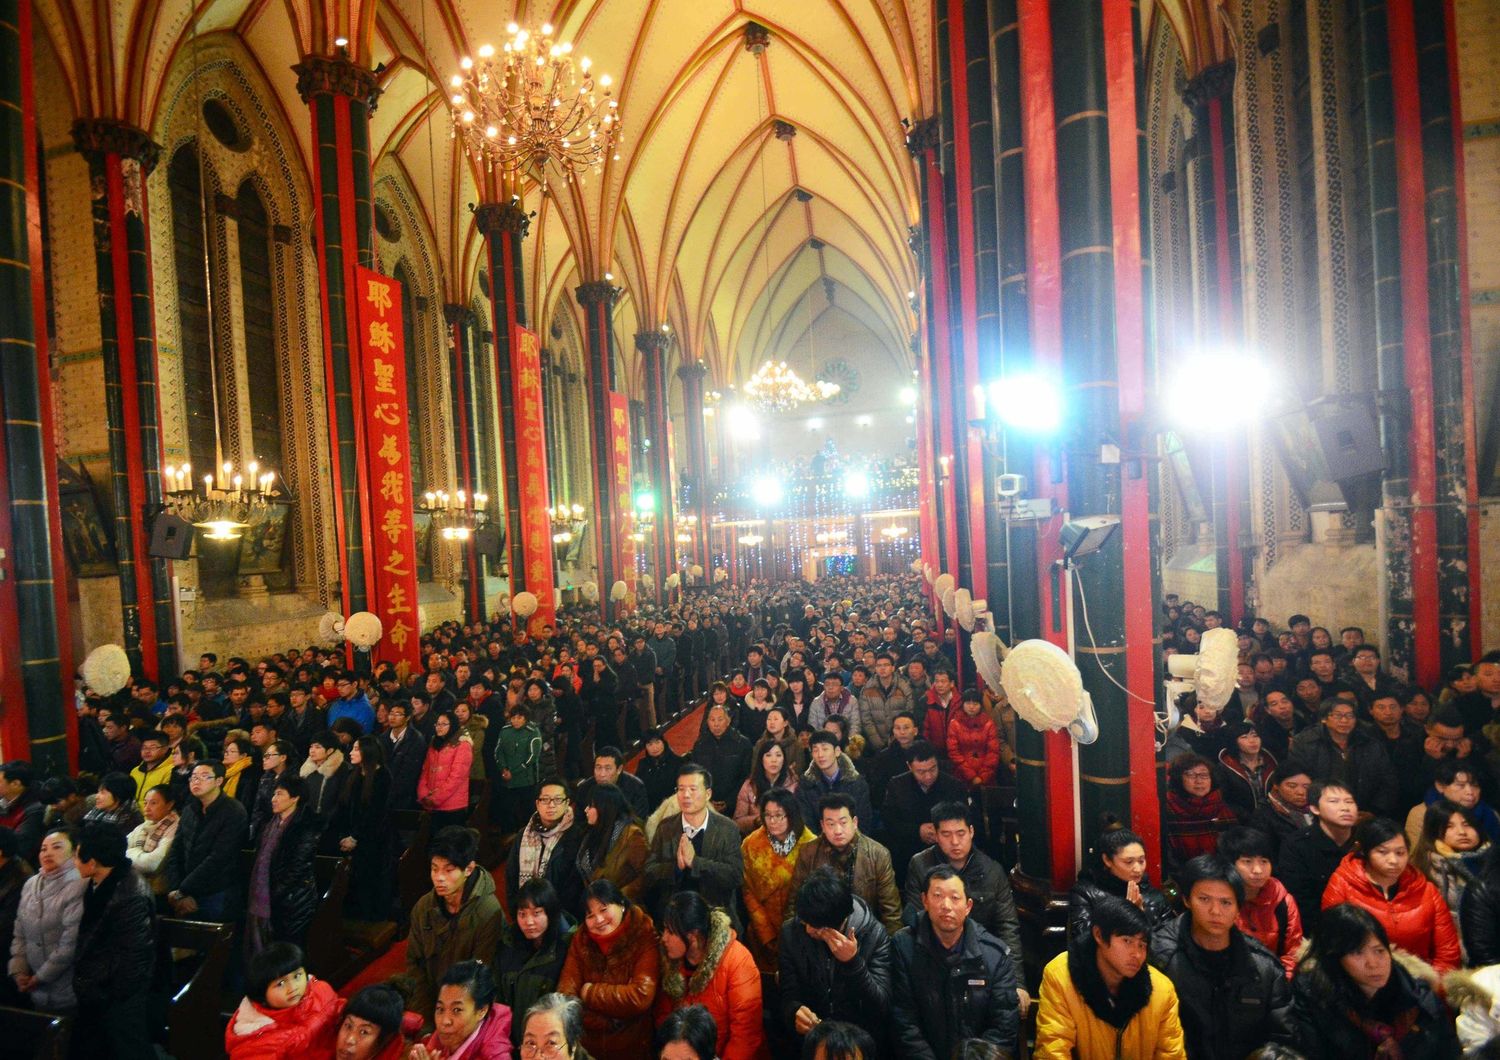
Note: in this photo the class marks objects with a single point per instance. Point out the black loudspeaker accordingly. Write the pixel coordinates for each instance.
(489, 541)
(1349, 437)
(171, 537)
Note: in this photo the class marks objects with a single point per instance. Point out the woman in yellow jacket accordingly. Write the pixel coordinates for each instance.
(1101, 1001)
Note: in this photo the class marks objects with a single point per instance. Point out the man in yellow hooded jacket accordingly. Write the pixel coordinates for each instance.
(1101, 1000)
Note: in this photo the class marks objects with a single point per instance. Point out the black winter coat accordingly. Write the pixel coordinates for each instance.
(1089, 889)
(1224, 1017)
(294, 885)
(1306, 861)
(1366, 769)
(367, 823)
(562, 868)
(659, 775)
(404, 760)
(907, 808)
(987, 887)
(116, 941)
(1322, 1027)
(858, 991)
(727, 757)
(205, 856)
(939, 1000)
(1479, 915)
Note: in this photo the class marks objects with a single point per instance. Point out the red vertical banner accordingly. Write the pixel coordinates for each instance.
(531, 457)
(382, 369)
(619, 467)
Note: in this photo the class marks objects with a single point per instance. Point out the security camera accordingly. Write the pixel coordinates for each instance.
(1009, 485)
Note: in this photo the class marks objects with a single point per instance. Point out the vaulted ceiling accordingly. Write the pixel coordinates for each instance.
(753, 191)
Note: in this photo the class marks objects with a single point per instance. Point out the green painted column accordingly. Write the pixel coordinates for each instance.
(120, 157)
(31, 674)
(653, 346)
(597, 298)
(341, 95)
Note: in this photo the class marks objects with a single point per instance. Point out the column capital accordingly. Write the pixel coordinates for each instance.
(105, 136)
(922, 136)
(692, 371)
(455, 315)
(1213, 82)
(322, 75)
(496, 218)
(653, 342)
(597, 292)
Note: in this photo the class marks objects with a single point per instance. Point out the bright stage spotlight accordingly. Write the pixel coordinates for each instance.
(856, 485)
(743, 423)
(767, 491)
(908, 395)
(1027, 402)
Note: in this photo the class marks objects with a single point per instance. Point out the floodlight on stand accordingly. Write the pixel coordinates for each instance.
(1085, 536)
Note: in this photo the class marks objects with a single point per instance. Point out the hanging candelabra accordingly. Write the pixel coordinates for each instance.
(222, 504)
(456, 514)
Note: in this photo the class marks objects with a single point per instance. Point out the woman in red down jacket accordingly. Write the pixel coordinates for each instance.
(704, 964)
(443, 790)
(1378, 877)
(974, 743)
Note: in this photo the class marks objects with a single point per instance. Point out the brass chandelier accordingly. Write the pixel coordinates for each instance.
(776, 387)
(527, 107)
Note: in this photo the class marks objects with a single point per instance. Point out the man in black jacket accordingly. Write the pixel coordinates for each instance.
(1336, 750)
(909, 801)
(116, 947)
(203, 864)
(405, 752)
(984, 878)
(890, 763)
(953, 979)
(1309, 857)
(835, 960)
(609, 768)
(1232, 992)
(547, 847)
(725, 752)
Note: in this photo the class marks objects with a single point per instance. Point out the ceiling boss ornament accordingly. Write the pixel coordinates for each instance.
(527, 107)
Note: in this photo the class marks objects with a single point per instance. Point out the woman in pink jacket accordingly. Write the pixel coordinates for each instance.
(443, 790)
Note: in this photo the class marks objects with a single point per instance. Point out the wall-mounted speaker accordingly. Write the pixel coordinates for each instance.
(489, 541)
(171, 537)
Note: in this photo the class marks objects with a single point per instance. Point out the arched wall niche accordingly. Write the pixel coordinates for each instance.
(219, 69)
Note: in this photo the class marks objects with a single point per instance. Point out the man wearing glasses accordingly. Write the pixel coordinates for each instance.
(1338, 750)
(201, 867)
(548, 847)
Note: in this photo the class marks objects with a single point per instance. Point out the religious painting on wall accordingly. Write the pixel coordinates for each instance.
(422, 527)
(264, 540)
(86, 539)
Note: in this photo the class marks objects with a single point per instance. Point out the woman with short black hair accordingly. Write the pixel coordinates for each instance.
(532, 949)
(613, 967)
(687, 1034)
(469, 1024)
(704, 964)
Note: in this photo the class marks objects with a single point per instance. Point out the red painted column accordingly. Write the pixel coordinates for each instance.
(1044, 288)
(1120, 57)
(1416, 337)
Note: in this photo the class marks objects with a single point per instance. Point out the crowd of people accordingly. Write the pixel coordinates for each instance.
(821, 872)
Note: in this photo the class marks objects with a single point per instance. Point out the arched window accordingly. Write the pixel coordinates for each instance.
(413, 382)
(185, 184)
(262, 373)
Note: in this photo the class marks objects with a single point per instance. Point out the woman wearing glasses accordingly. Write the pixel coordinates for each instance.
(553, 1030)
(614, 968)
(278, 757)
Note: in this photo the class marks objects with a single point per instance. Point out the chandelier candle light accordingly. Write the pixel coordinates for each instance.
(527, 106)
(456, 515)
(777, 388)
(225, 504)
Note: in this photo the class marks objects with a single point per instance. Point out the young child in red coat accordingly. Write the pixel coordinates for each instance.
(285, 1011)
(974, 743)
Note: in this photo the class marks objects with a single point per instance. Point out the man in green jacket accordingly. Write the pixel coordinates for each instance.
(458, 920)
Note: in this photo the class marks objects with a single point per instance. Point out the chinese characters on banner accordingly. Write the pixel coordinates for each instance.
(531, 457)
(382, 356)
(619, 464)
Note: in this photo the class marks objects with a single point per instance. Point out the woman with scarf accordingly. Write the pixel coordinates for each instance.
(325, 774)
(1451, 852)
(768, 769)
(150, 841)
(614, 846)
(1196, 811)
(770, 854)
(241, 770)
(1353, 998)
(702, 963)
(115, 803)
(547, 848)
(614, 968)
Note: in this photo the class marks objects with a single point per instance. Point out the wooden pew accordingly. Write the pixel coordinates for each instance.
(194, 954)
(413, 874)
(31, 1035)
(326, 957)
